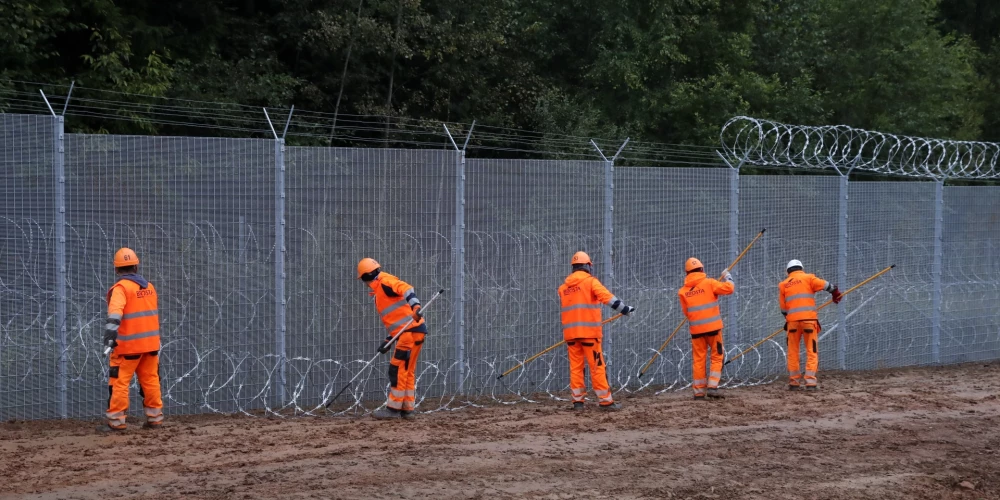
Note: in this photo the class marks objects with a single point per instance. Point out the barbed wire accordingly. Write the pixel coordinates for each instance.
(841, 147)
(208, 373)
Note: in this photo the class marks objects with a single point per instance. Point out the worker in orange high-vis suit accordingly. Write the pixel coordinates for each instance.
(797, 300)
(581, 296)
(700, 303)
(399, 308)
(133, 333)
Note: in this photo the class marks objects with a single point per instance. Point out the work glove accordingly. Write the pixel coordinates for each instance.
(417, 315)
(627, 310)
(837, 296)
(110, 338)
(726, 276)
(384, 347)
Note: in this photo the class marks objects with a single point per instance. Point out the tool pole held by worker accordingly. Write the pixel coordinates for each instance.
(547, 349)
(681, 325)
(389, 343)
(769, 337)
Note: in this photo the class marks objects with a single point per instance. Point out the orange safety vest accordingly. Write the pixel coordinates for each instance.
(139, 331)
(797, 296)
(394, 299)
(581, 296)
(699, 301)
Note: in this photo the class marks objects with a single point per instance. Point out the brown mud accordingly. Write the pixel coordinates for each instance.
(908, 433)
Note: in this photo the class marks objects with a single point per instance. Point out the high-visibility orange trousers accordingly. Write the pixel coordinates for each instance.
(403, 371)
(588, 351)
(146, 366)
(808, 332)
(705, 346)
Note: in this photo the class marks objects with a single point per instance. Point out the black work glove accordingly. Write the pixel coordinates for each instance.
(627, 310)
(836, 295)
(786, 326)
(110, 338)
(384, 347)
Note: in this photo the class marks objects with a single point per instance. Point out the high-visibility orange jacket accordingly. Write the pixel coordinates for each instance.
(395, 300)
(132, 312)
(581, 296)
(796, 295)
(699, 301)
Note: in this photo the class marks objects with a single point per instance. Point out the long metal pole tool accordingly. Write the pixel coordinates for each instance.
(769, 337)
(681, 325)
(391, 341)
(553, 346)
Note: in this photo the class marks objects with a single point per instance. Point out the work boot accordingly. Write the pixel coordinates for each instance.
(699, 397)
(150, 425)
(407, 415)
(793, 387)
(714, 393)
(611, 407)
(812, 387)
(107, 429)
(386, 414)
(577, 406)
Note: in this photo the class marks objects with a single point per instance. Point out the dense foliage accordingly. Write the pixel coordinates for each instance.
(664, 70)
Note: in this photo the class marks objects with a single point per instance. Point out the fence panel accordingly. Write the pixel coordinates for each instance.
(397, 206)
(524, 220)
(970, 325)
(662, 217)
(889, 320)
(29, 341)
(199, 214)
(800, 214)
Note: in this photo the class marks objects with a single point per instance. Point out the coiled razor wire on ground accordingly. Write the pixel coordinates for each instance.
(770, 143)
(200, 374)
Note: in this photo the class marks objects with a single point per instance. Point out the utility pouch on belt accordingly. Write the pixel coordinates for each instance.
(403, 356)
(393, 375)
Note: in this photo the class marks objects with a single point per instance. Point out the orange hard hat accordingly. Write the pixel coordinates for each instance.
(125, 257)
(692, 264)
(366, 266)
(580, 258)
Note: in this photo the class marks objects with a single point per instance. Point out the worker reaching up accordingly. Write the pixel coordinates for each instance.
(581, 296)
(700, 302)
(399, 308)
(797, 300)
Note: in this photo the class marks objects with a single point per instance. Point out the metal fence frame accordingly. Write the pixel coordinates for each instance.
(459, 334)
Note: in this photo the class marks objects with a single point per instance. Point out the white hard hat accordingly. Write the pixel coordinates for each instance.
(793, 263)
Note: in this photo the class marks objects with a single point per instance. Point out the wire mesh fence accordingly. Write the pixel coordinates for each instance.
(253, 245)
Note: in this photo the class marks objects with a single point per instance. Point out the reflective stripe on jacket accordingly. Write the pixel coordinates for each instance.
(394, 300)
(700, 302)
(133, 310)
(797, 295)
(581, 296)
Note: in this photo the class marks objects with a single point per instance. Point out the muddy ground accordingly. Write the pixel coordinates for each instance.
(912, 433)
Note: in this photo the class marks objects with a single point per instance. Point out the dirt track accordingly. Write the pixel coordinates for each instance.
(900, 434)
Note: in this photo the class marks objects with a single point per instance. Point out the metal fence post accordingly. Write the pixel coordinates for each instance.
(842, 271)
(280, 301)
(607, 248)
(734, 248)
(936, 271)
(458, 264)
(60, 227)
(59, 223)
